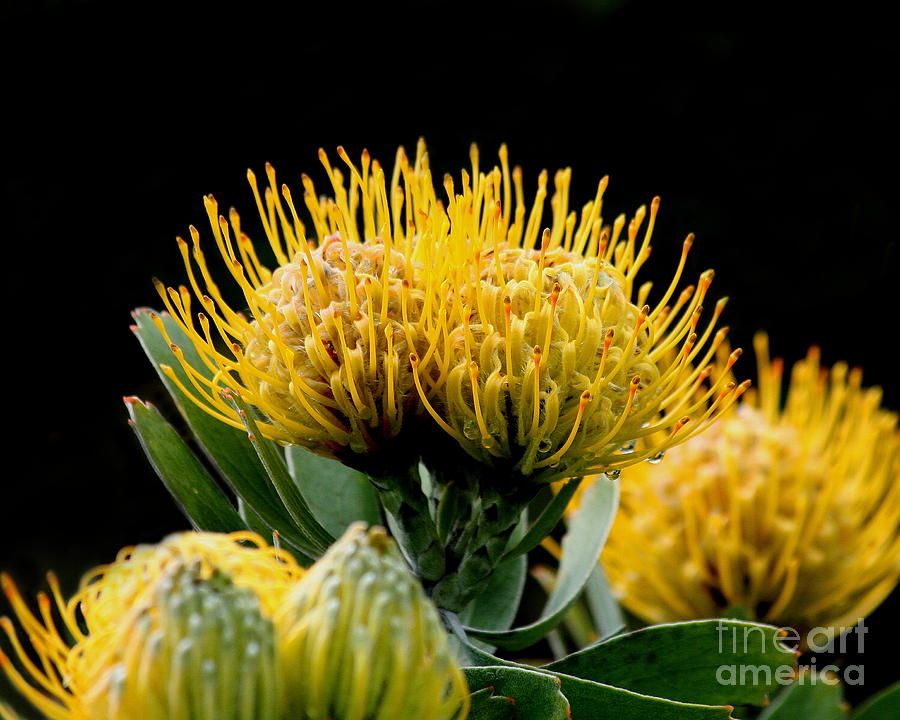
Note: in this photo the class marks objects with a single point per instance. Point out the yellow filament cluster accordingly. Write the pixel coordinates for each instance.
(324, 351)
(542, 355)
(63, 681)
(531, 347)
(791, 514)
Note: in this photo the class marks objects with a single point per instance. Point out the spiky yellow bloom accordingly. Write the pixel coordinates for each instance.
(791, 515)
(177, 630)
(546, 360)
(360, 641)
(532, 349)
(324, 351)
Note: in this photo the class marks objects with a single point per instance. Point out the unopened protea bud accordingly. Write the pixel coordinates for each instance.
(179, 630)
(360, 641)
(198, 648)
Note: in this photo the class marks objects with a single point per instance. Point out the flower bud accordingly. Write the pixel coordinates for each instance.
(198, 648)
(176, 631)
(359, 640)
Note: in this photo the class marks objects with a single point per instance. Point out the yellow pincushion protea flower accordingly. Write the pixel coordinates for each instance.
(536, 353)
(545, 359)
(182, 629)
(364, 641)
(324, 351)
(791, 515)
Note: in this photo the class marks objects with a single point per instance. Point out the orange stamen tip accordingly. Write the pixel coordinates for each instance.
(414, 359)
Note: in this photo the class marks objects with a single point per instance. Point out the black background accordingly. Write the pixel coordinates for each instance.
(778, 150)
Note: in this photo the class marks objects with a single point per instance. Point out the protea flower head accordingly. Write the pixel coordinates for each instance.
(323, 352)
(182, 629)
(360, 640)
(790, 514)
(531, 349)
(545, 359)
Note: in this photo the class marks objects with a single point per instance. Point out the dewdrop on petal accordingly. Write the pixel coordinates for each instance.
(547, 361)
(323, 351)
(790, 514)
(360, 641)
(179, 630)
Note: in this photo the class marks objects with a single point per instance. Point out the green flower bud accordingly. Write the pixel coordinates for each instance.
(359, 640)
(198, 649)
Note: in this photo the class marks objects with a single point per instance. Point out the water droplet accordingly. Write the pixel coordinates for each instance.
(615, 388)
(488, 443)
(545, 445)
(613, 474)
(656, 459)
(470, 430)
(628, 447)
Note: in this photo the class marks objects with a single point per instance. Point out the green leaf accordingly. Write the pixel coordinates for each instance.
(811, 696)
(184, 476)
(488, 706)
(707, 661)
(227, 448)
(582, 544)
(495, 608)
(337, 495)
(546, 521)
(595, 701)
(605, 610)
(273, 461)
(536, 694)
(885, 704)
